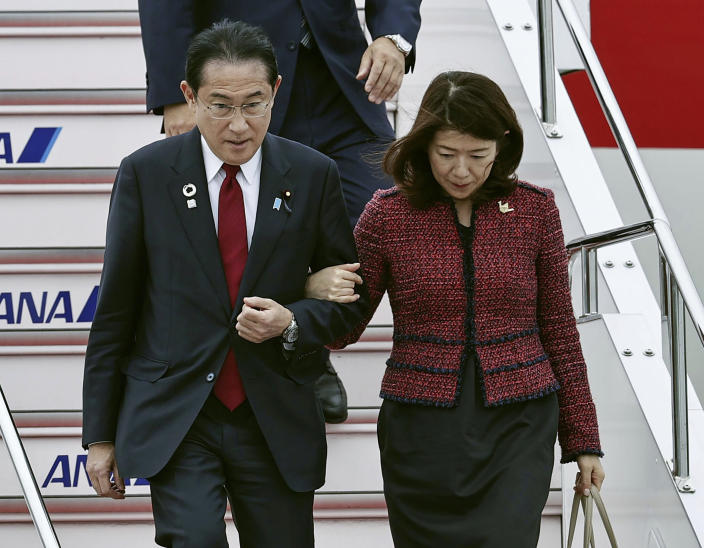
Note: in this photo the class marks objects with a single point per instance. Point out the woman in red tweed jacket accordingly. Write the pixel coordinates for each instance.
(486, 363)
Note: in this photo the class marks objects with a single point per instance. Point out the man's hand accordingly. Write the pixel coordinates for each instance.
(100, 464)
(383, 66)
(178, 118)
(262, 319)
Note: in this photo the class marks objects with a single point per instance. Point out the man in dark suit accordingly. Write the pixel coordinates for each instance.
(203, 351)
(333, 90)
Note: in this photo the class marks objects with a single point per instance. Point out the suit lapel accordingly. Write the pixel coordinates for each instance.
(269, 222)
(198, 221)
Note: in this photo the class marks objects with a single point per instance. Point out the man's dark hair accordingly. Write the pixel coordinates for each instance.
(471, 104)
(229, 42)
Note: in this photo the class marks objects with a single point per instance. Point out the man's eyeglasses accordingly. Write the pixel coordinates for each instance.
(221, 111)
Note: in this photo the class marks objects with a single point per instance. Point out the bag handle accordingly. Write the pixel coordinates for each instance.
(588, 508)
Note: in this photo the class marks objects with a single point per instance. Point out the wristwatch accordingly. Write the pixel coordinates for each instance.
(403, 45)
(290, 334)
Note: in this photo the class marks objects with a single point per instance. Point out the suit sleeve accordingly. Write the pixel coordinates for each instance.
(395, 17)
(578, 430)
(112, 332)
(320, 321)
(368, 235)
(167, 29)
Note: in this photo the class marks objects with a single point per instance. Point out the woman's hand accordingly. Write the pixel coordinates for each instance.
(334, 283)
(590, 471)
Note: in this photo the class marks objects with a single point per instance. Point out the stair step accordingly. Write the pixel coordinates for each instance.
(60, 45)
(57, 357)
(138, 508)
(73, 101)
(341, 520)
(58, 460)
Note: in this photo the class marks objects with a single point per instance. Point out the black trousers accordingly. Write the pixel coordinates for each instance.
(320, 116)
(225, 454)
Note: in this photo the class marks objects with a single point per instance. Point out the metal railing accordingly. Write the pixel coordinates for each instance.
(35, 503)
(678, 292)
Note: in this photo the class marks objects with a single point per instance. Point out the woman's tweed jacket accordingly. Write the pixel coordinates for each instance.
(519, 320)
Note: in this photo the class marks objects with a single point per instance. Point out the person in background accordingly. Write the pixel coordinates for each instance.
(203, 353)
(486, 366)
(332, 93)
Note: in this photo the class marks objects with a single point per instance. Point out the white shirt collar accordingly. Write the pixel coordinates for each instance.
(213, 164)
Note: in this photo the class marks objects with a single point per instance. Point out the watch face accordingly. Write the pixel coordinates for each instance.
(405, 46)
(290, 334)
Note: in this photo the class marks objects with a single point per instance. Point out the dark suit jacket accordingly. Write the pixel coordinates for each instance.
(164, 324)
(169, 25)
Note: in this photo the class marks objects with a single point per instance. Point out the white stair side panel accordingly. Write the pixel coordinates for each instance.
(91, 140)
(73, 62)
(631, 395)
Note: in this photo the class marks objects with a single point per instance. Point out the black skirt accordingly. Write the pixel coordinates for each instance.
(467, 476)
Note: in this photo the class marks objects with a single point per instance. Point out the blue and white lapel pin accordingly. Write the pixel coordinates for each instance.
(189, 190)
(284, 198)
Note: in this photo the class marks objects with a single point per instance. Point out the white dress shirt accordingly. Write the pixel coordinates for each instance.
(248, 177)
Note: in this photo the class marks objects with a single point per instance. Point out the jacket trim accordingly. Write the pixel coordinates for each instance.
(518, 365)
(386, 192)
(469, 327)
(554, 387)
(418, 401)
(509, 337)
(534, 188)
(588, 451)
(414, 367)
(427, 339)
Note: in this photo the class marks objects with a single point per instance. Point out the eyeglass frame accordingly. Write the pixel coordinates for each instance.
(233, 108)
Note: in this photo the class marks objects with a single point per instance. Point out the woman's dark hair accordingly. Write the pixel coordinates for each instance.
(468, 103)
(229, 42)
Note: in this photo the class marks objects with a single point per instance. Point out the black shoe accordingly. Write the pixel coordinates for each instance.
(332, 395)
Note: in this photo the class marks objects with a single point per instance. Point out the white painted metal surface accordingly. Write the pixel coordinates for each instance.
(632, 396)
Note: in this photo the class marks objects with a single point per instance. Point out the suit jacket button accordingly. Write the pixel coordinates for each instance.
(291, 46)
(210, 377)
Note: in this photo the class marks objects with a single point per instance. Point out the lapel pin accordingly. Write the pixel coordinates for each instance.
(504, 208)
(286, 195)
(189, 190)
(277, 204)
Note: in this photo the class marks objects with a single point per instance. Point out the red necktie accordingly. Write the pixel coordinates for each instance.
(232, 240)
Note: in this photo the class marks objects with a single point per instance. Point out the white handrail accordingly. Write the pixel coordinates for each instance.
(35, 503)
